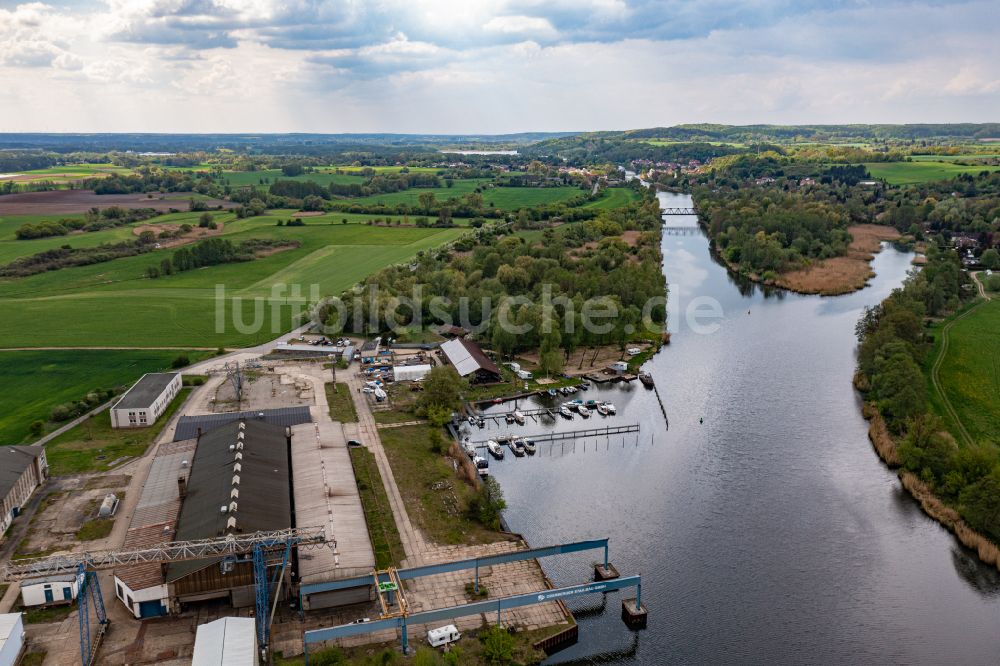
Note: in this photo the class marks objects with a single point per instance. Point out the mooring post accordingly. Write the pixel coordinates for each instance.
(638, 596)
(605, 555)
(477, 577)
(498, 612)
(406, 645)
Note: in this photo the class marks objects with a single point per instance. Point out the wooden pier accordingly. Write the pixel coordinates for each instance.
(570, 434)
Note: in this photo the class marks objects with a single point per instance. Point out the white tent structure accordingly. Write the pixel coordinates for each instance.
(410, 373)
(228, 641)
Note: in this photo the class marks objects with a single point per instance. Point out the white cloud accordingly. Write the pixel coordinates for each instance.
(492, 65)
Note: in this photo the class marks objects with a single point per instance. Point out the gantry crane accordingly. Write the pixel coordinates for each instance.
(86, 565)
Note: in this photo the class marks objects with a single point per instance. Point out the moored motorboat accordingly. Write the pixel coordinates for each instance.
(646, 379)
(529, 446)
(517, 446)
(518, 416)
(584, 412)
(602, 409)
(494, 448)
(565, 412)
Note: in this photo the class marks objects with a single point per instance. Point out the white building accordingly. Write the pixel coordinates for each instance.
(146, 401)
(50, 590)
(22, 469)
(410, 373)
(228, 641)
(11, 638)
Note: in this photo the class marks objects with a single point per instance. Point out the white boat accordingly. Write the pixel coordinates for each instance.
(519, 417)
(494, 448)
(469, 449)
(471, 420)
(517, 446)
(509, 418)
(602, 409)
(529, 446)
(611, 408)
(584, 412)
(565, 412)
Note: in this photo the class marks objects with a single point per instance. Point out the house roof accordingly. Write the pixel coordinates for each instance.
(59, 578)
(258, 471)
(467, 357)
(14, 460)
(146, 390)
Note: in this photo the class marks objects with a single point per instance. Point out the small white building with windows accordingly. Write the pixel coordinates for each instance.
(146, 401)
(50, 590)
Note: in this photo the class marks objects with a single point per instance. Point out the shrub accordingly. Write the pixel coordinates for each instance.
(498, 646)
(181, 361)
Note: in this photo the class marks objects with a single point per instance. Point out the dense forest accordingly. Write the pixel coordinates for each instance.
(577, 261)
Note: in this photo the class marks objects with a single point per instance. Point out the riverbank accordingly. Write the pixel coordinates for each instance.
(835, 276)
(887, 448)
(842, 275)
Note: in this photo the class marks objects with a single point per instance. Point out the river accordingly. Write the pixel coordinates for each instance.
(771, 532)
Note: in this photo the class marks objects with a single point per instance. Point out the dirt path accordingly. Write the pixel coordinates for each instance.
(942, 353)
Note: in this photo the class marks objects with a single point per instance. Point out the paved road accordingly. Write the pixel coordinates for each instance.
(414, 543)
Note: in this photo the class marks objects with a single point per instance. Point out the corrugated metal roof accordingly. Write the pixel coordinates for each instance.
(228, 641)
(187, 426)
(259, 471)
(467, 357)
(146, 390)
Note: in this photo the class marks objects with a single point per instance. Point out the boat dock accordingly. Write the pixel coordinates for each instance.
(605, 431)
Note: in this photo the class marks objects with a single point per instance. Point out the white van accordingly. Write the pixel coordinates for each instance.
(523, 374)
(443, 635)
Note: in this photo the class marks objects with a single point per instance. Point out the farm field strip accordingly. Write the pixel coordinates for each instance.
(909, 173)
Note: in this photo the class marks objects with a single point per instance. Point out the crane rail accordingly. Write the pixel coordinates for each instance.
(175, 551)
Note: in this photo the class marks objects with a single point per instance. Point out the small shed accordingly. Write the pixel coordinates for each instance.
(410, 373)
(619, 367)
(11, 638)
(228, 641)
(50, 590)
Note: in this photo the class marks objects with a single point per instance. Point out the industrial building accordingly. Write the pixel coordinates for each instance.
(146, 400)
(469, 360)
(11, 638)
(228, 641)
(22, 470)
(50, 590)
(234, 479)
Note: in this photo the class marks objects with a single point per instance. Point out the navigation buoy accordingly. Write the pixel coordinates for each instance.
(701, 420)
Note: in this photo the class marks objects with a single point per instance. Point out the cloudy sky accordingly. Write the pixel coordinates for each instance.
(464, 66)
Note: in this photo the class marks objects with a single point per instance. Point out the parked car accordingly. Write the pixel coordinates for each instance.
(352, 443)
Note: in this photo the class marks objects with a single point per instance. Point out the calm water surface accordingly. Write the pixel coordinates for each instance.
(771, 533)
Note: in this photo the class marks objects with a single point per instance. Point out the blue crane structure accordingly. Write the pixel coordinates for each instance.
(259, 545)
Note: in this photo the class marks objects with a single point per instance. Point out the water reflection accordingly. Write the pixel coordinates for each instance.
(769, 531)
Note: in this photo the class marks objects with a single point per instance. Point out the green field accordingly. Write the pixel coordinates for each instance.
(909, 173)
(614, 197)
(114, 303)
(970, 373)
(32, 383)
(71, 172)
(93, 445)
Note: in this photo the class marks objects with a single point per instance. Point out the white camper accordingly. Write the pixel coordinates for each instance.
(443, 635)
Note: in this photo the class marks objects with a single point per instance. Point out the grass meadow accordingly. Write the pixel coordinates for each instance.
(32, 383)
(970, 373)
(909, 173)
(114, 303)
